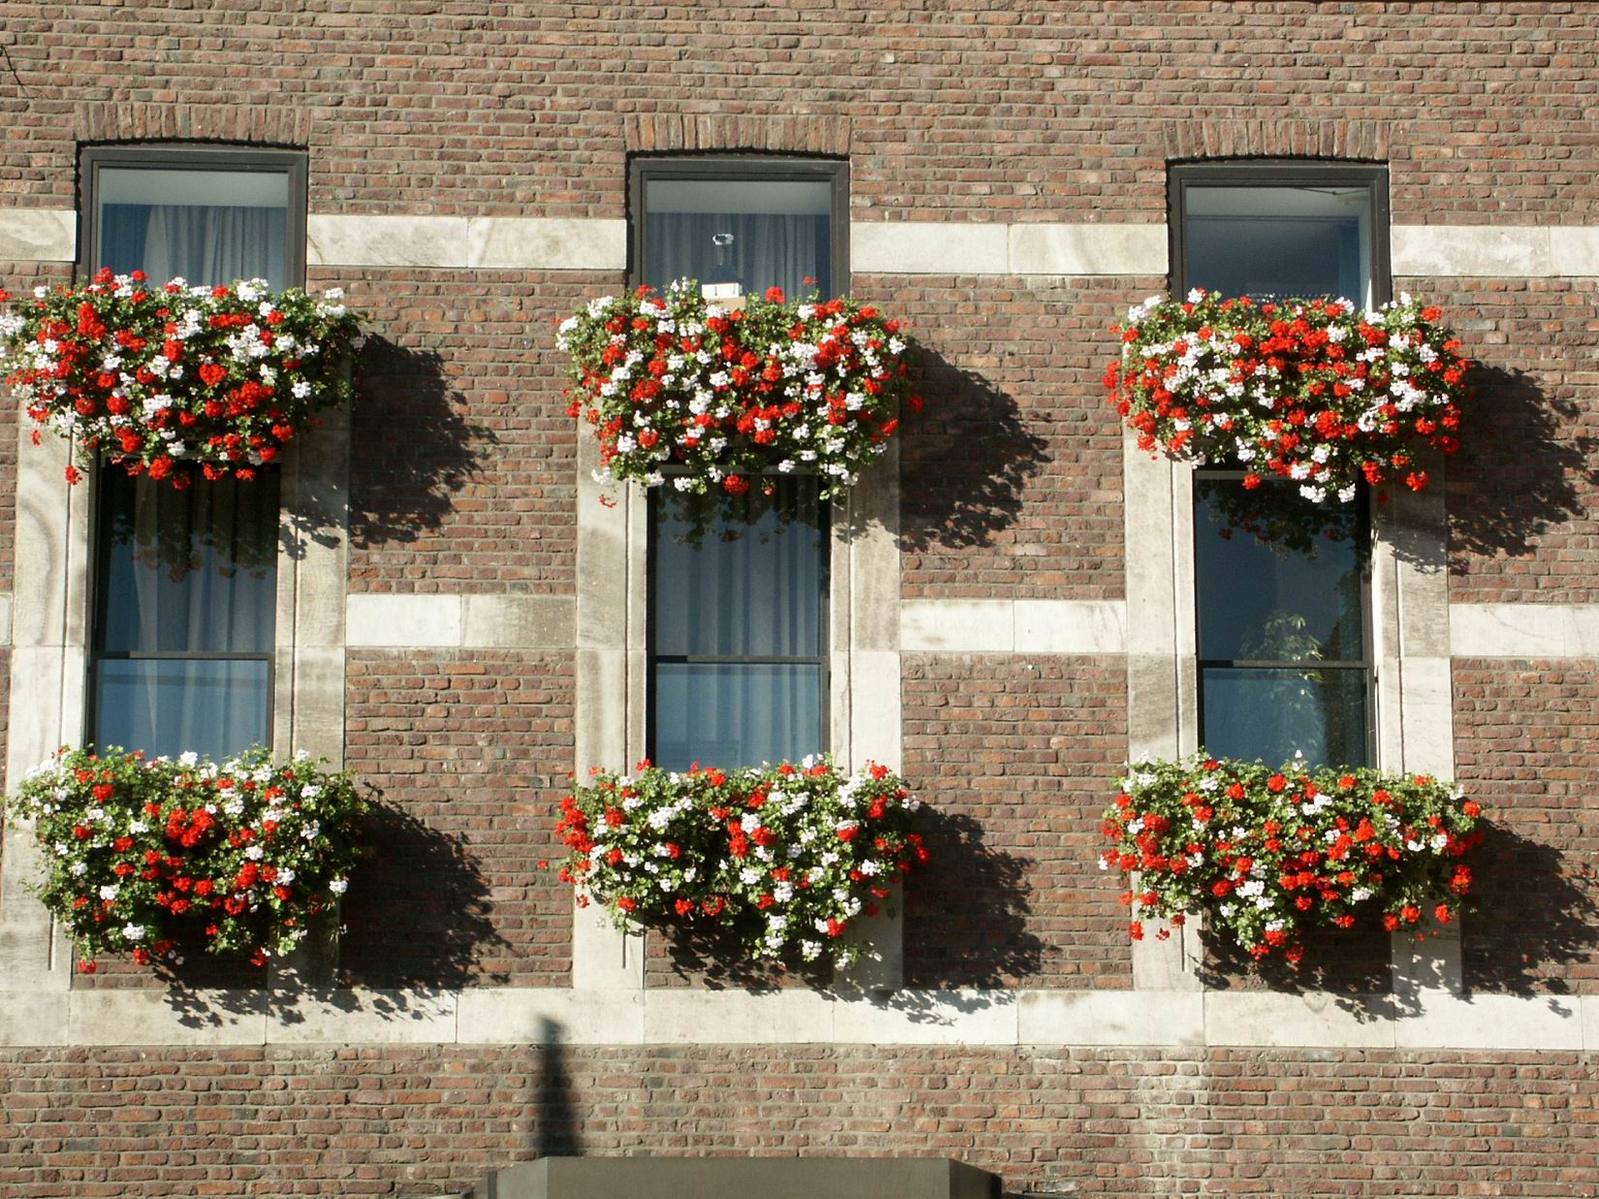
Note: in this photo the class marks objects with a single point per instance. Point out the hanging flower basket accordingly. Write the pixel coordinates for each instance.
(155, 858)
(172, 381)
(781, 859)
(1308, 390)
(1266, 853)
(713, 396)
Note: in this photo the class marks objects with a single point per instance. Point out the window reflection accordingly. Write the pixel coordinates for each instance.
(1282, 636)
(1286, 241)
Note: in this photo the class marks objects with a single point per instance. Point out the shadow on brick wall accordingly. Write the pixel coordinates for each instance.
(1534, 913)
(412, 446)
(965, 461)
(418, 912)
(1352, 965)
(1519, 471)
(966, 919)
(555, 1124)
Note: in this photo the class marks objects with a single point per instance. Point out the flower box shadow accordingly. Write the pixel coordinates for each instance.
(965, 927)
(1522, 471)
(413, 445)
(967, 459)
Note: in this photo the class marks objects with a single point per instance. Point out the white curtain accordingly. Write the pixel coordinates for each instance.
(765, 251)
(205, 244)
(752, 585)
(186, 572)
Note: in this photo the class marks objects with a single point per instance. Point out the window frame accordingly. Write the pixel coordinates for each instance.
(643, 169)
(1279, 173)
(167, 156)
(182, 157)
(1251, 173)
(98, 592)
(757, 168)
(1367, 662)
(822, 659)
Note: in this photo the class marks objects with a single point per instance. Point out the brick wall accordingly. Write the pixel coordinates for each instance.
(421, 1121)
(1525, 745)
(471, 749)
(463, 107)
(1524, 489)
(1017, 760)
(463, 463)
(1011, 478)
(462, 479)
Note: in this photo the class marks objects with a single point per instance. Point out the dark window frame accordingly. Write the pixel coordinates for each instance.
(757, 168)
(1257, 173)
(172, 156)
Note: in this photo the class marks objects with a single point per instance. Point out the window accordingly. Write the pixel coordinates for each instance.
(738, 588)
(738, 613)
(185, 582)
(1282, 585)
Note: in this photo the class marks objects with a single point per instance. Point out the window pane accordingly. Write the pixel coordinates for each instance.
(207, 226)
(171, 706)
(1270, 714)
(754, 232)
(739, 577)
(1300, 241)
(736, 715)
(1260, 600)
(187, 571)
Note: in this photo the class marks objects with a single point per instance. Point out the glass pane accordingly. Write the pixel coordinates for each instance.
(1264, 600)
(758, 233)
(1271, 714)
(1298, 241)
(736, 715)
(187, 571)
(171, 706)
(740, 577)
(207, 226)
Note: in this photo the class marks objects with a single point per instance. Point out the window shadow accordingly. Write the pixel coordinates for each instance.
(413, 446)
(418, 912)
(970, 454)
(1519, 471)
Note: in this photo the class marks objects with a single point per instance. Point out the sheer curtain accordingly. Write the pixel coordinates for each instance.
(202, 243)
(765, 251)
(737, 618)
(184, 574)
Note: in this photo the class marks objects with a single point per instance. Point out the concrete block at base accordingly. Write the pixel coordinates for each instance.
(770, 1178)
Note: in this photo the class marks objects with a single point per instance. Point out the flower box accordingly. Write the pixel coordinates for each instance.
(714, 395)
(160, 857)
(1267, 852)
(1312, 391)
(175, 382)
(782, 860)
